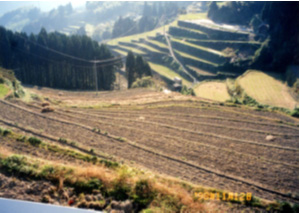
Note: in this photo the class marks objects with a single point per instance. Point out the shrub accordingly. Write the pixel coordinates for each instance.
(145, 82)
(5, 132)
(63, 140)
(47, 171)
(120, 190)
(34, 141)
(143, 194)
(121, 139)
(109, 164)
(17, 164)
(94, 159)
(286, 207)
(88, 186)
(295, 112)
(21, 139)
(73, 143)
(187, 91)
(253, 202)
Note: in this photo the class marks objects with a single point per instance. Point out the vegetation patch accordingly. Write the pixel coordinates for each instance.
(266, 89)
(34, 141)
(145, 82)
(167, 72)
(212, 90)
(4, 90)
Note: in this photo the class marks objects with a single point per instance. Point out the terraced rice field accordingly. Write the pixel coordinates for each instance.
(212, 90)
(266, 89)
(167, 72)
(189, 138)
(198, 45)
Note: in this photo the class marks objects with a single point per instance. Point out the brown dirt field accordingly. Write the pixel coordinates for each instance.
(186, 142)
(85, 99)
(21, 148)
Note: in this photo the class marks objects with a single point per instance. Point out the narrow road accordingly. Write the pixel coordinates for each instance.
(173, 55)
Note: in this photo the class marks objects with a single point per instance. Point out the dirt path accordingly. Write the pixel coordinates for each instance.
(175, 58)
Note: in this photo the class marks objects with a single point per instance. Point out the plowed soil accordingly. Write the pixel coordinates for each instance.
(201, 142)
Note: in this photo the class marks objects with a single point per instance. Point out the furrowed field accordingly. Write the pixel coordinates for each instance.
(230, 148)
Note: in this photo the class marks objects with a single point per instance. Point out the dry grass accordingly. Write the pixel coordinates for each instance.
(4, 152)
(4, 90)
(108, 177)
(266, 89)
(216, 91)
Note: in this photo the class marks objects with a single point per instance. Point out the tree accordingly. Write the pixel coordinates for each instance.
(124, 27)
(38, 64)
(130, 65)
(282, 47)
(136, 67)
(142, 67)
(213, 8)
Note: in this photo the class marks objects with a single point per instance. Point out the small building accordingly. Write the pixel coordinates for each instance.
(177, 84)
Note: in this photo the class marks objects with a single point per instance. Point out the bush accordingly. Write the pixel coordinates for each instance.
(145, 82)
(47, 170)
(143, 194)
(253, 202)
(109, 164)
(63, 140)
(21, 139)
(187, 91)
(286, 207)
(88, 186)
(295, 112)
(34, 141)
(6, 132)
(17, 164)
(121, 139)
(120, 191)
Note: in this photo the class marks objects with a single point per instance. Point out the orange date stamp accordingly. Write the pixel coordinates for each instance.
(231, 196)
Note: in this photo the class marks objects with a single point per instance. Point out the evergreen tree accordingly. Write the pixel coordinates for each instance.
(139, 66)
(38, 61)
(136, 67)
(130, 68)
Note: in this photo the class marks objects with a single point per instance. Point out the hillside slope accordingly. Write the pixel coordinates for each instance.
(9, 86)
(266, 89)
(203, 143)
(201, 46)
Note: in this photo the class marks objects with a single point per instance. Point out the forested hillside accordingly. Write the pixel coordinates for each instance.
(154, 13)
(56, 60)
(282, 46)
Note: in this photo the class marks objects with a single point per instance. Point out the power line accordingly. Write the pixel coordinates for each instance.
(65, 62)
(70, 56)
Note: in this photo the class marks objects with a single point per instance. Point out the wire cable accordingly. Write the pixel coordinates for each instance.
(67, 55)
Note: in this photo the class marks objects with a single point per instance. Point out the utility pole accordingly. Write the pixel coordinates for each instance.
(120, 80)
(95, 75)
